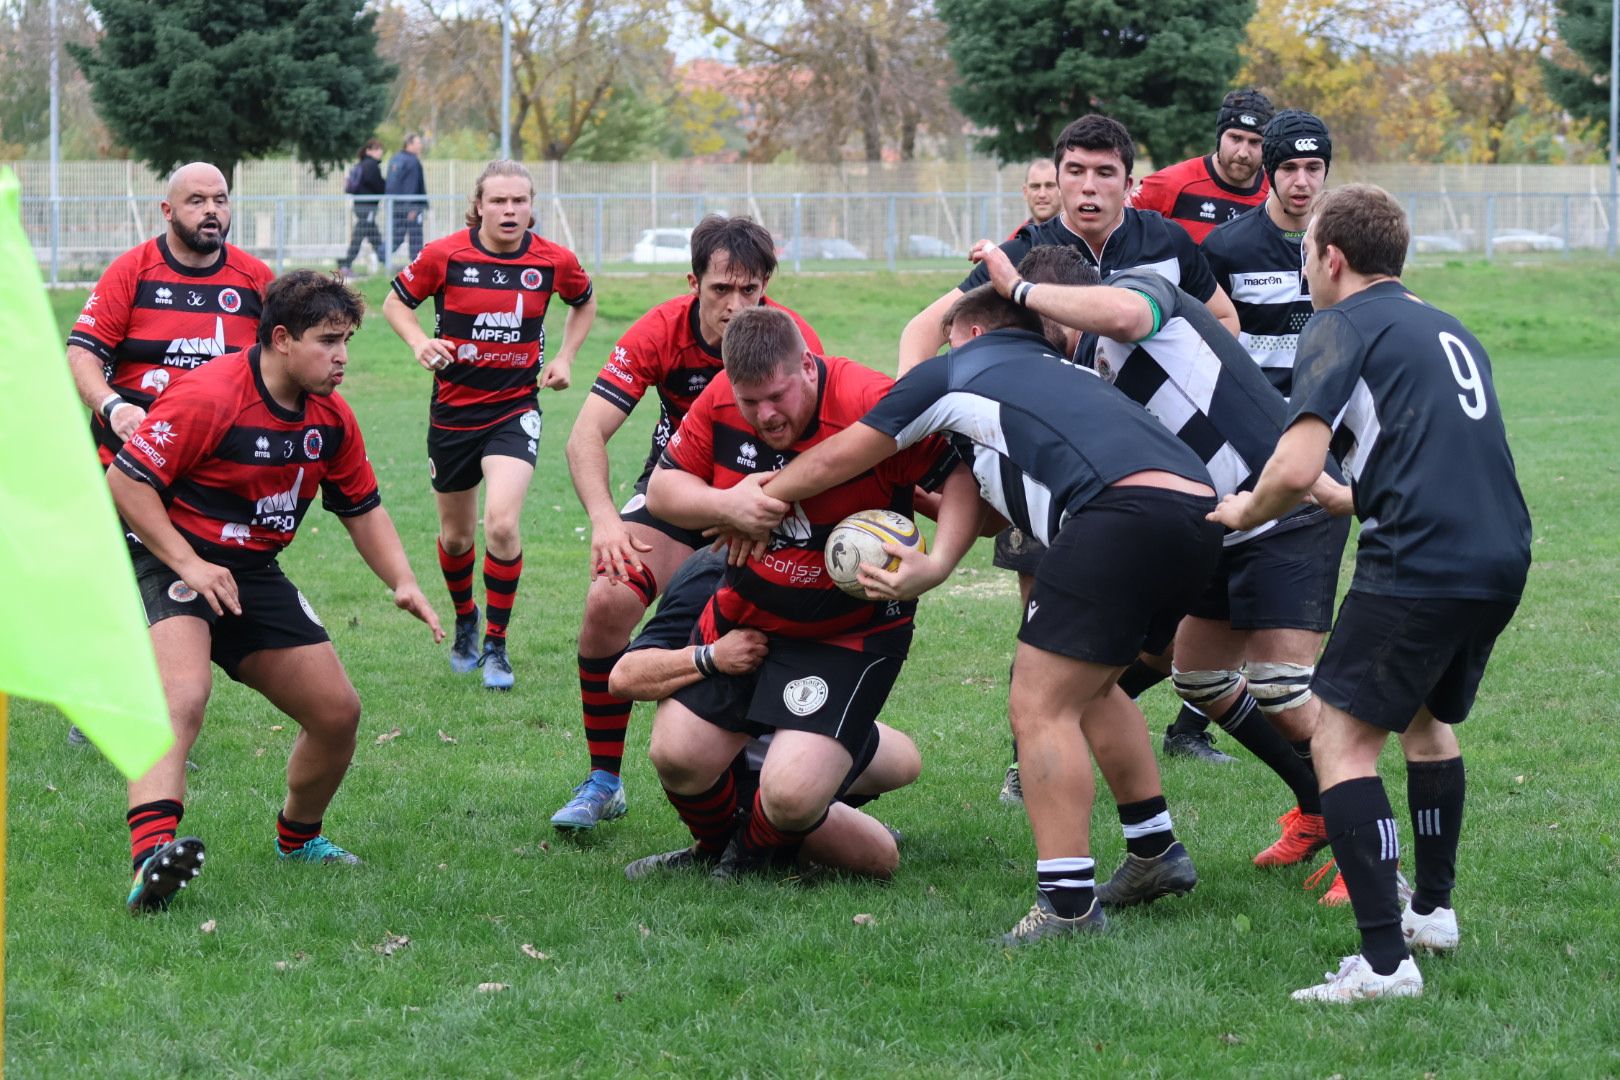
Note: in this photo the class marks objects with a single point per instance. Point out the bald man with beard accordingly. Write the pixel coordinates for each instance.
(163, 309)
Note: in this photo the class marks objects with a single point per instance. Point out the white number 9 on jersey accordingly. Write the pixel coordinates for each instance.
(1466, 372)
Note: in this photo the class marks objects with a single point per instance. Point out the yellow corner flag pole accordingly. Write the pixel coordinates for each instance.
(67, 576)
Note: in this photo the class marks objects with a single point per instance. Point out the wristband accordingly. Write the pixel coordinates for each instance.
(1020, 292)
(703, 660)
(109, 405)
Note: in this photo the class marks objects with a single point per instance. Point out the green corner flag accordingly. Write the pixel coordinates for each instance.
(71, 629)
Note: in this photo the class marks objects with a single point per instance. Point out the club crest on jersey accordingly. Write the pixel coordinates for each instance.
(230, 301)
(530, 422)
(312, 444)
(181, 593)
(530, 278)
(804, 696)
(155, 380)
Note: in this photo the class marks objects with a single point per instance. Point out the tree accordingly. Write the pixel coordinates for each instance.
(1028, 67)
(25, 80)
(181, 81)
(1579, 78)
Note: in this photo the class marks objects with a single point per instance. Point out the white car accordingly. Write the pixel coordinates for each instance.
(663, 246)
(1526, 240)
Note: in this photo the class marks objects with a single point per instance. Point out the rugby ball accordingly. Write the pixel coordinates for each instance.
(858, 540)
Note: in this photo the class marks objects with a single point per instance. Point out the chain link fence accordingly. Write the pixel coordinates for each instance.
(629, 217)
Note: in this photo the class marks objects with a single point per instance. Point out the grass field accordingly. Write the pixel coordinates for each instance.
(772, 978)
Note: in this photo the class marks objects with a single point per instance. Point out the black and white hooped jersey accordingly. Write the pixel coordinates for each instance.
(1043, 436)
(1198, 382)
(1259, 267)
(1143, 240)
(1416, 422)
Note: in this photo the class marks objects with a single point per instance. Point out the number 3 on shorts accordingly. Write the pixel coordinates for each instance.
(1466, 372)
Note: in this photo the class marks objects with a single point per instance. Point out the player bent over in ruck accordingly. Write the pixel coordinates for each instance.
(1402, 393)
(832, 658)
(661, 661)
(213, 484)
(1068, 458)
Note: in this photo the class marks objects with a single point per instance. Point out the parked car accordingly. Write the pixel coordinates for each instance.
(1439, 243)
(819, 247)
(1526, 240)
(663, 246)
(921, 246)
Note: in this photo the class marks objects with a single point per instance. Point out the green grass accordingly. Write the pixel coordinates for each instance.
(771, 978)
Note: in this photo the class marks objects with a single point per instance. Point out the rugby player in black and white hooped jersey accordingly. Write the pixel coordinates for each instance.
(1403, 394)
(1255, 257)
(1245, 650)
(491, 284)
(1070, 459)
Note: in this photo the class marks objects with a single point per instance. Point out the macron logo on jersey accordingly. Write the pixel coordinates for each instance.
(499, 326)
(198, 349)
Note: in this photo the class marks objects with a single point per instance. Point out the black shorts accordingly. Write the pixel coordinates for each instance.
(1279, 580)
(1017, 550)
(636, 511)
(751, 758)
(275, 614)
(1120, 575)
(455, 457)
(801, 686)
(1388, 655)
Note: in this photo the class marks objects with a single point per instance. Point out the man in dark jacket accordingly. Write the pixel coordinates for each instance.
(365, 182)
(406, 184)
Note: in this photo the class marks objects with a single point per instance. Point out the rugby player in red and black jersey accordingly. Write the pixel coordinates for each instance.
(213, 484)
(1203, 192)
(675, 350)
(1040, 193)
(832, 658)
(491, 284)
(165, 307)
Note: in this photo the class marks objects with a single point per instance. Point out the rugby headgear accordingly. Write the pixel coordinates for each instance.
(1247, 109)
(1294, 133)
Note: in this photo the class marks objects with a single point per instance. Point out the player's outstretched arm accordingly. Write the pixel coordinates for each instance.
(142, 510)
(576, 327)
(655, 674)
(431, 353)
(614, 552)
(1121, 314)
(847, 454)
(1289, 475)
(689, 501)
(959, 515)
(378, 543)
(924, 334)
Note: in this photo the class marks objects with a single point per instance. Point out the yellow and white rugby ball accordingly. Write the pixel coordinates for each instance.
(858, 541)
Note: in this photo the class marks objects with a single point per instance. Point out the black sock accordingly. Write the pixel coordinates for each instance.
(1139, 678)
(1302, 750)
(1248, 725)
(1067, 884)
(1434, 791)
(1148, 832)
(1189, 721)
(1361, 828)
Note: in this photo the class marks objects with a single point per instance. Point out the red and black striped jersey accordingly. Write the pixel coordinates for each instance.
(787, 591)
(665, 349)
(151, 319)
(492, 307)
(1194, 196)
(237, 470)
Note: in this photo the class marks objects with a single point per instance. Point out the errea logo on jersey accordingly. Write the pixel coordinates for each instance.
(747, 454)
(164, 296)
(1207, 211)
(696, 383)
(470, 275)
(261, 447)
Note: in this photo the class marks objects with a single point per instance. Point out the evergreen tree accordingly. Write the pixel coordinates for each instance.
(193, 80)
(1028, 67)
(1584, 27)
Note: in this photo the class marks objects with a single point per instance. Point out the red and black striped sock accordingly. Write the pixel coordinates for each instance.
(292, 835)
(710, 815)
(151, 825)
(762, 838)
(458, 572)
(606, 716)
(500, 589)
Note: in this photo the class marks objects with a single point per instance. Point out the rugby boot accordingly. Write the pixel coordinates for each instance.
(1012, 787)
(686, 858)
(1435, 932)
(1338, 893)
(77, 737)
(319, 850)
(165, 872)
(497, 668)
(1042, 922)
(1303, 835)
(599, 798)
(1194, 744)
(1142, 881)
(1357, 981)
(464, 649)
